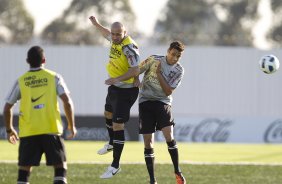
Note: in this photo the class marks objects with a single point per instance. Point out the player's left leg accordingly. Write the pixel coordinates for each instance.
(121, 102)
(108, 114)
(60, 173)
(23, 174)
(173, 151)
(108, 147)
(118, 144)
(109, 123)
(55, 153)
(118, 141)
(172, 147)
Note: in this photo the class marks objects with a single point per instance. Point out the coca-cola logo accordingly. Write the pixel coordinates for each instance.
(207, 130)
(85, 133)
(212, 130)
(273, 133)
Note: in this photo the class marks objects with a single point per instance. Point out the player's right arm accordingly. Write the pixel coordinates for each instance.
(104, 31)
(12, 135)
(13, 96)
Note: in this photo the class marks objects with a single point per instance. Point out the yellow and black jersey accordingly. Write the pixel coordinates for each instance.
(39, 112)
(122, 57)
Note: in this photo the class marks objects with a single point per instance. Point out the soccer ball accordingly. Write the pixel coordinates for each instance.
(269, 64)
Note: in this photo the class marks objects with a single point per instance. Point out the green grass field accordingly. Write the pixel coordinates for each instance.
(200, 163)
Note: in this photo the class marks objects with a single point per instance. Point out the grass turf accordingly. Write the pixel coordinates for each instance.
(136, 173)
(86, 166)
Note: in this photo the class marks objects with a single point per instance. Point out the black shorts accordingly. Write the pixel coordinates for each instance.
(119, 101)
(32, 147)
(153, 116)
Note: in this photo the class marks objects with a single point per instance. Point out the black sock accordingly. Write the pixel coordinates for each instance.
(109, 125)
(150, 161)
(173, 151)
(60, 176)
(118, 147)
(23, 175)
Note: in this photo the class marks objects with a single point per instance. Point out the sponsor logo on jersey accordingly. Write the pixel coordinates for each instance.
(39, 106)
(35, 99)
(33, 81)
(130, 57)
(114, 53)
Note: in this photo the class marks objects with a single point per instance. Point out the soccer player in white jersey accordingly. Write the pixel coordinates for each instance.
(162, 75)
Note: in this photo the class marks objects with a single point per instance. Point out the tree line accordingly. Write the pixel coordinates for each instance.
(200, 22)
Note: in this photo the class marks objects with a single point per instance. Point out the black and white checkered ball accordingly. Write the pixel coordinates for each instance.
(269, 64)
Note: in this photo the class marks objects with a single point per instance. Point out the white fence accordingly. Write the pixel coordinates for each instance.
(224, 97)
(235, 130)
(217, 81)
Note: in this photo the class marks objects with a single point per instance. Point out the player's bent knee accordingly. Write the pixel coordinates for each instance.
(118, 126)
(62, 165)
(148, 141)
(108, 115)
(149, 145)
(25, 168)
(169, 138)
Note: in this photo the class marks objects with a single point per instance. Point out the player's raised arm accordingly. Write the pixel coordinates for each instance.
(104, 31)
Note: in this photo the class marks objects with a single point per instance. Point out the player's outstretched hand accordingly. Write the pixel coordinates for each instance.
(94, 20)
(13, 137)
(71, 132)
(111, 81)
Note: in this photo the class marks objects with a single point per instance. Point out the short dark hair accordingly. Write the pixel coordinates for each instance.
(35, 56)
(177, 45)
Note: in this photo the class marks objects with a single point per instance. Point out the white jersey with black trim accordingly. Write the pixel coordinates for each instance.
(150, 86)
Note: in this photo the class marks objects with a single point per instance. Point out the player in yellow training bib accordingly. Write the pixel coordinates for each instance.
(122, 67)
(40, 124)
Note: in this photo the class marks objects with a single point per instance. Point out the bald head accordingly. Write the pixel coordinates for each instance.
(118, 32)
(117, 25)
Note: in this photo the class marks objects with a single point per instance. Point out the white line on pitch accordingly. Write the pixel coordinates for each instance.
(182, 162)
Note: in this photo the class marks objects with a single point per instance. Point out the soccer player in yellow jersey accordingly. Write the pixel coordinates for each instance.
(122, 93)
(40, 125)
